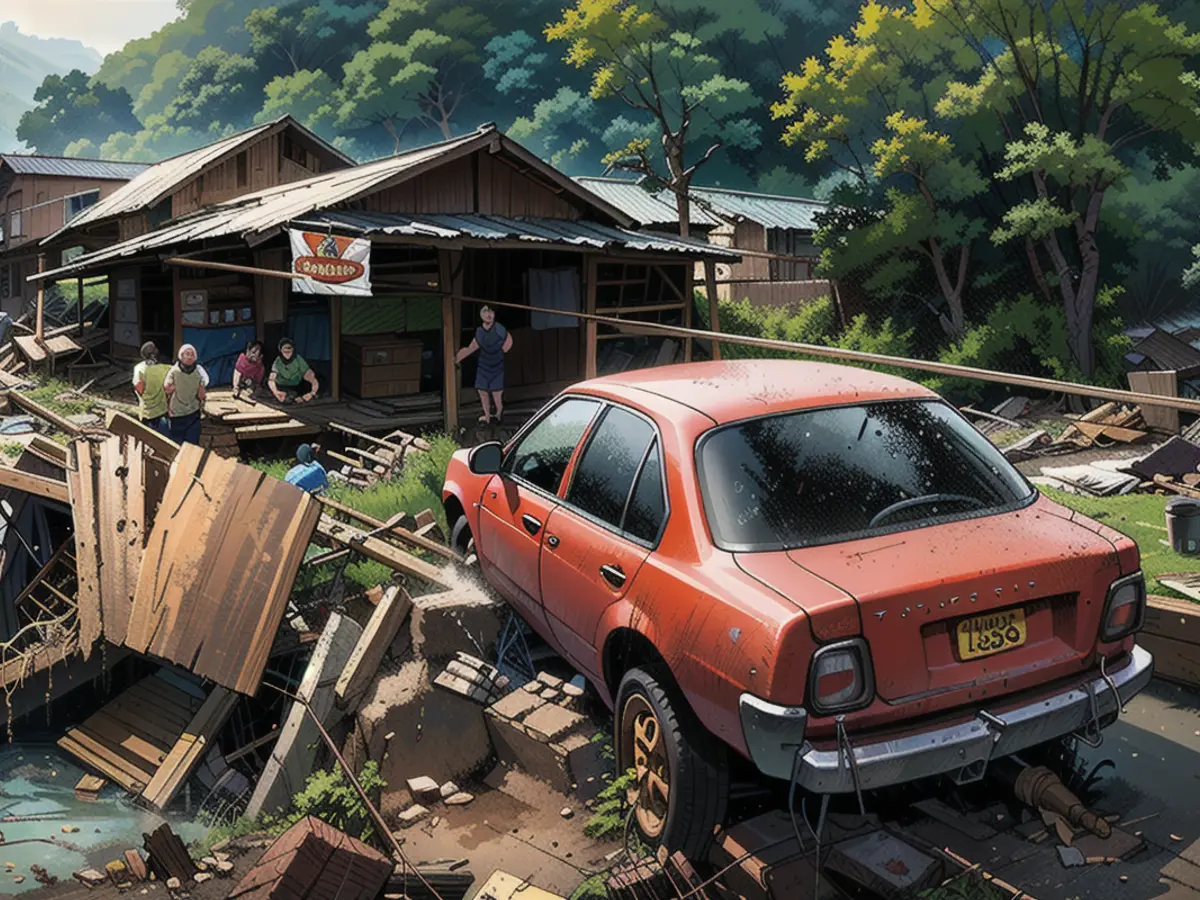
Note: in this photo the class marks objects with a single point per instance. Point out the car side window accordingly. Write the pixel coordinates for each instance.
(604, 476)
(542, 455)
(647, 503)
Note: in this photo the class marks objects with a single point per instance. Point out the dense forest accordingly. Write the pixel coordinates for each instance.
(1012, 182)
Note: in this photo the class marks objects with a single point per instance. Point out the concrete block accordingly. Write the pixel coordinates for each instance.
(294, 754)
(439, 623)
(533, 687)
(549, 680)
(551, 722)
(885, 865)
(586, 765)
(537, 758)
(448, 789)
(424, 789)
(411, 815)
(464, 688)
(516, 706)
(550, 695)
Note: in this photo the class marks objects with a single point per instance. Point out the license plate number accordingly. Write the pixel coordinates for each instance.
(992, 633)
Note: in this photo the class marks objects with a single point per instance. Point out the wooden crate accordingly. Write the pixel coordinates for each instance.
(381, 366)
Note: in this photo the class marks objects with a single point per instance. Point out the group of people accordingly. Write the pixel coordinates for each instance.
(171, 396)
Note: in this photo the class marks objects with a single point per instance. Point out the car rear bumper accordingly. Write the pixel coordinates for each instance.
(774, 734)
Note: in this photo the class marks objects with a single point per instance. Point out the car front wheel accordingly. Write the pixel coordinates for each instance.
(681, 781)
(462, 541)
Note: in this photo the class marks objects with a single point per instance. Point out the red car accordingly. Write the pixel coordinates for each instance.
(825, 569)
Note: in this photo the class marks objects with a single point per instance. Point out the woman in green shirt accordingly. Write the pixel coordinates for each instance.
(289, 373)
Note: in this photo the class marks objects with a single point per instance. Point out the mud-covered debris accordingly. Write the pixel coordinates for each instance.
(412, 815)
(424, 789)
(449, 789)
(462, 798)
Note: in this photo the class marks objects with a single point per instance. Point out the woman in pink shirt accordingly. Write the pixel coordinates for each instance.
(249, 373)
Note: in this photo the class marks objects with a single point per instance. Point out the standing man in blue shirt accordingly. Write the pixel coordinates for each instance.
(492, 341)
(308, 474)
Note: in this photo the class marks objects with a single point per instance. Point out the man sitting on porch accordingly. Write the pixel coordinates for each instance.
(148, 377)
(492, 341)
(289, 373)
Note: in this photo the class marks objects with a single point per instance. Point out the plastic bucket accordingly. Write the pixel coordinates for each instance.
(1183, 525)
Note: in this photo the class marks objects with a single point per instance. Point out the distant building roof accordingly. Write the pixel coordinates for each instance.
(1165, 351)
(711, 206)
(68, 167)
(262, 211)
(160, 180)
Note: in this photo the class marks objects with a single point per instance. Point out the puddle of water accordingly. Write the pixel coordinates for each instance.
(37, 798)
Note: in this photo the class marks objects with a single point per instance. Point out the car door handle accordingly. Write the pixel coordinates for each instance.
(532, 525)
(551, 541)
(614, 575)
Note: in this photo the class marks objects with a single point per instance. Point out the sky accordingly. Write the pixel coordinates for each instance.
(103, 24)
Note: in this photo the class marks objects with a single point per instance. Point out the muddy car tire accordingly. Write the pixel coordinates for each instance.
(658, 735)
(463, 542)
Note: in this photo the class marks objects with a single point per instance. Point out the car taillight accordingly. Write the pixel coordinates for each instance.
(840, 678)
(1125, 608)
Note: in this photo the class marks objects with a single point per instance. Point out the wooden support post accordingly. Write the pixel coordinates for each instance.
(450, 338)
(714, 316)
(589, 326)
(335, 337)
(176, 305)
(79, 303)
(40, 326)
(689, 305)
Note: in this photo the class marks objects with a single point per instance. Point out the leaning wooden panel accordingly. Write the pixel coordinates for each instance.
(81, 480)
(224, 551)
(190, 749)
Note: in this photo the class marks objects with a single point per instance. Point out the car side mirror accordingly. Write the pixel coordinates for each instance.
(486, 458)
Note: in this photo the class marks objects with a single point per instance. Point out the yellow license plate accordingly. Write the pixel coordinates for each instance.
(992, 633)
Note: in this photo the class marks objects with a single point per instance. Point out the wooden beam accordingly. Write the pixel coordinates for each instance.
(363, 436)
(32, 407)
(230, 267)
(379, 550)
(368, 653)
(190, 749)
(589, 328)
(79, 304)
(34, 484)
(402, 533)
(714, 313)
(39, 331)
(119, 423)
(335, 337)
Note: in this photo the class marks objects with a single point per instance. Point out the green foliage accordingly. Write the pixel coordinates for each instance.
(306, 95)
(1030, 337)
(329, 796)
(11, 449)
(592, 888)
(71, 108)
(57, 395)
(611, 808)
(967, 886)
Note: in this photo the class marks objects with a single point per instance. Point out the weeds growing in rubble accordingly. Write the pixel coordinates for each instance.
(968, 886)
(11, 449)
(609, 814)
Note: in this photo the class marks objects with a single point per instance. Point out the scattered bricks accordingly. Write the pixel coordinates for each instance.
(464, 688)
(412, 815)
(210, 862)
(550, 695)
(462, 798)
(772, 864)
(549, 680)
(90, 877)
(224, 868)
(201, 877)
(572, 696)
(18, 879)
(174, 884)
(550, 722)
(515, 748)
(502, 683)
(424, 789)
(534, 687)
(448, 789)
(516, 706)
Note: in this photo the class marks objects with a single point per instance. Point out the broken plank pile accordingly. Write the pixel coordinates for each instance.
(381, 458)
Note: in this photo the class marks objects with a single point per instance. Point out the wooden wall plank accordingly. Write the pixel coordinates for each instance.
(190, 749)
(82, 484)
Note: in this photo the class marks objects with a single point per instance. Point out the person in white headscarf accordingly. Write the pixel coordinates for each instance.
(185, 388)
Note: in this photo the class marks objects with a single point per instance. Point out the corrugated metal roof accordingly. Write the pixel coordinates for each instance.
(499, 228)
(768, 210)
(66, 167)
(161, 179)
(274, 207)
(644, 207)
(1167, 351)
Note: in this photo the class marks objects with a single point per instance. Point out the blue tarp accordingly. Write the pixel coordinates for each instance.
(218, 349)
(310, 331)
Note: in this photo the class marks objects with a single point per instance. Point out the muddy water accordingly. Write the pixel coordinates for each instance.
(37, 799)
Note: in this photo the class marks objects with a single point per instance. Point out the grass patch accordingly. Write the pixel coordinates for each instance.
(592, 889)
(611, 809)
(967, 886)
(1141, 517)
(48, 394)
(11, 449)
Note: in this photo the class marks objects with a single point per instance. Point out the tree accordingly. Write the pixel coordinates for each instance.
(73, 108)
(169, 71)
(219, 89)
(308, 96)
(301, 36)
(1074, 87)
(641, 58)
(869, 107)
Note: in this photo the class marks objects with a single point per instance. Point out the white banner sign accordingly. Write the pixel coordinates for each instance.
(334, 265)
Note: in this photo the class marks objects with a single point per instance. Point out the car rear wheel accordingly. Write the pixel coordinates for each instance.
(681, 781)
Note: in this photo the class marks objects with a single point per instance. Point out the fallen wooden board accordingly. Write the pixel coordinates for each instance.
(255, 417)
(1173, 618)
(1165, 384)
(219, 565)
(1186, 583)
(119, 423)
(190, 749)
(59, 345)
(32, 406)
(408, 537)
(379, 550)
(1094, 430)
(49, 451)
(368, 653)
(169, 857)
(34, 484)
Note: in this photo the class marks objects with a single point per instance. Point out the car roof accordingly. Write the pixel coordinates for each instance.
(728, 391)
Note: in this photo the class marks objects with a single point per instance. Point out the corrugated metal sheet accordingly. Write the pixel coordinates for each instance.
(644, 207)
(63, 167)
(1167, 351)
(500, 228)
(768, 210)
(275, 207)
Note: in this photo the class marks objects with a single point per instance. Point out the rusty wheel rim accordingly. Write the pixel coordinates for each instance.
(645, 751)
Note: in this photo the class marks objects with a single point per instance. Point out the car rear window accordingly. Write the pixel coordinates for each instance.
(820, 476)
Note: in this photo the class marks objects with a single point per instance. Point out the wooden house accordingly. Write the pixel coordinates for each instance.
(451, 226)
(39, 195)
(773, 233)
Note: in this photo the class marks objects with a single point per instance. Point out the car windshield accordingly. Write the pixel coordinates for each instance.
(820, 476)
